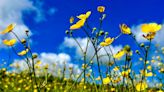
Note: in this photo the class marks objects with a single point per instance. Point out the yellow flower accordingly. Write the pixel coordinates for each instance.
(161, 70)
(84, 16)
(119, 54)
(160, 91)
(71, 20)
(146, 73)
(78, 25)
(107, 42)
(126, 73)
(24, 52)
(149, 67)
(106, 80)
(8, 29)
(81, 22)
(103, 44)
(149, 36)
(141, 86)
(116, 68)
(101, 9)
(98, 78)
(9, 42)
(125, 29)
(112, 89)
(151, 27)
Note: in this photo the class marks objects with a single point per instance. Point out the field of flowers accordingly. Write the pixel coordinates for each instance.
(114, 77)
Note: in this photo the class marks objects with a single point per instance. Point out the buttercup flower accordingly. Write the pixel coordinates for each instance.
(149, 36)
(106, 80)
(8, 29)
(78, 25)
(151, 27)
(9, 42)
(116, 68)
(107, 42)
(84, 16)
(147, 74)
(81, 22)
(141, 86)
(71, 20)
(125, 29)
(119, 54)
(101, 9)
(126, 73)
(24, 52)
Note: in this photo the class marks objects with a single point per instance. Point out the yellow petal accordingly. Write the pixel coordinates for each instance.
(106, 80)
(78, 25)
(141, 86)
(125, 29)
(149, 67)
(151, 27)
(71, 20)
(8, 29)
(101, 9)
(116, 68)
(9, 42)
(103, 44)
(119, 54)
(84, 16)
(150, 36)
(149, 74)
(24, 52)
(109, 40)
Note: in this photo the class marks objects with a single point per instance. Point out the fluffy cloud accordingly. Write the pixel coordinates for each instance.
(55, 62)
(70, 43)
(157, 40)
(11, 11)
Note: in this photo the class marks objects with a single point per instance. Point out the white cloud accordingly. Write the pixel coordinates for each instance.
(70, 43)
(56, 63)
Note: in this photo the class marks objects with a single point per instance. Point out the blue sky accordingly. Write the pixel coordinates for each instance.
(49, 34)
(48, 19)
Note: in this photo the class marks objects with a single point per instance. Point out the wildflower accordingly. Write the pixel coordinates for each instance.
(34, 56)
(112, 89)
(106, 80)
(9, 42)
(141, 86)
(81, 22)
(116, 68)
(152, 60)
(107, 42)
(147, 74)
(151, 27)
(149, 36)
(84, 16)
(8, 29)
(24, 52)
(149, 67)
(78, 25)
(71, 20)
(126, 73)
(101, 9)
(159, 91)
(161, 70)
(119, 54)
(23, 41)
(98, 78)
(38, 62)
(46, 66)
(125, 29)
